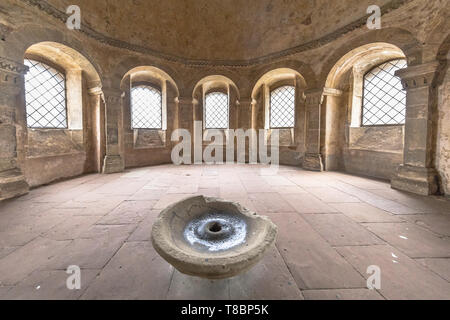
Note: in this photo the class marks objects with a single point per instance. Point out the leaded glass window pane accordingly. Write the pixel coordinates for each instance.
(216, 111)
(282, 107)
(384, 98)
(45, 95)
(146, 107)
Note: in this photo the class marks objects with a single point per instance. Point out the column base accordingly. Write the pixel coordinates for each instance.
(12, 184)
(113, 164)
(313, 162)
(418, 180)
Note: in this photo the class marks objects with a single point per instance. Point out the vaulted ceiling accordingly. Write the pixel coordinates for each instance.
(218, 29)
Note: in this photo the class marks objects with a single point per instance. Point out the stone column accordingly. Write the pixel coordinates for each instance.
(185, 120)
(417, 174)
(332, 121)
(313, 159)
(113, 161)
(12, 181)
(98, 134)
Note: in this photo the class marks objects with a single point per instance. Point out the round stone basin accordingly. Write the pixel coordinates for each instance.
(211, 238)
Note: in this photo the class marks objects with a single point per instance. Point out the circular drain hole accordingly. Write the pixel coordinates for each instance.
(215, 227)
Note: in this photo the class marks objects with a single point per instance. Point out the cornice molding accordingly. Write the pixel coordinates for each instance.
(44, 6)
(7, 65)
(418, 76)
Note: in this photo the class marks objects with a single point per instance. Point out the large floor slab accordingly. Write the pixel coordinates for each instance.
(147, 277)
(401, 276)
(332, 226)
(312, 261)
(340, 230)
(412, 240)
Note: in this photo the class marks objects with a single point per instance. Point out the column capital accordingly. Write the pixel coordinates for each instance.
(332, 92)
(95, 91)
(11, 66)
(11, 76)
(185, 100)
(246, 101)
(418, 76)
(112, 95)
(314, 96)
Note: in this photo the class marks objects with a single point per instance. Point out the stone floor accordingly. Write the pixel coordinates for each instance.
(332, 227)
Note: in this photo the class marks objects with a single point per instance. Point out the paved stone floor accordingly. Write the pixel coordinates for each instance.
(332, 227)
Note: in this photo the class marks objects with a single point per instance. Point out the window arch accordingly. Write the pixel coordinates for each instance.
(146, 107)
(45, 96)
(216, 111)
(282, 107)
(384, 100)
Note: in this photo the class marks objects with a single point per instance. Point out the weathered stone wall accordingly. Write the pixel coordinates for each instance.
(443, 134)
(374, 151)
(24, 23)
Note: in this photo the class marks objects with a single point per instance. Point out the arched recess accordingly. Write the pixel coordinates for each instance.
(146, 144)
(265, 108)
(210, 110)
(345, 143)
(220, 84)
(51, 154)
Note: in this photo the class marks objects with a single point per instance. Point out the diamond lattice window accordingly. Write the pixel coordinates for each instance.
(45, 95)
(384, 98)
(146, 107)
(216, 111)
(282, 107)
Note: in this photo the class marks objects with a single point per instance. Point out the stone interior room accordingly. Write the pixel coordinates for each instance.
(87, 178)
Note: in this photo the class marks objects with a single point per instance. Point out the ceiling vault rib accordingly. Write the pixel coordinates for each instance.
(49, 9)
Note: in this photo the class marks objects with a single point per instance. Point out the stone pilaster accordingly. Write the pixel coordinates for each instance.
(186, 113)
(313, 159)
(113, 161)
(12, 181)
(417, 174)
(245, 107)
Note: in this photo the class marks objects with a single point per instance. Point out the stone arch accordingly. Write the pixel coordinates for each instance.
(366, 56)
(215, 81)
(139, 64)
(276, 75)
(39, 38)
(149, 72)
(201, 76)
(304, 70)
(393, 37)
(66, 58)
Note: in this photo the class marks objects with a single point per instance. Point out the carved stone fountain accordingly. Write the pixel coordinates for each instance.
(211, 238)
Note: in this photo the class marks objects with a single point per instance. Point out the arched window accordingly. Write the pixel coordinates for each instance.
(216, 111)
(45, 94)
(146, 107)
(384, 101)
(282, 107)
